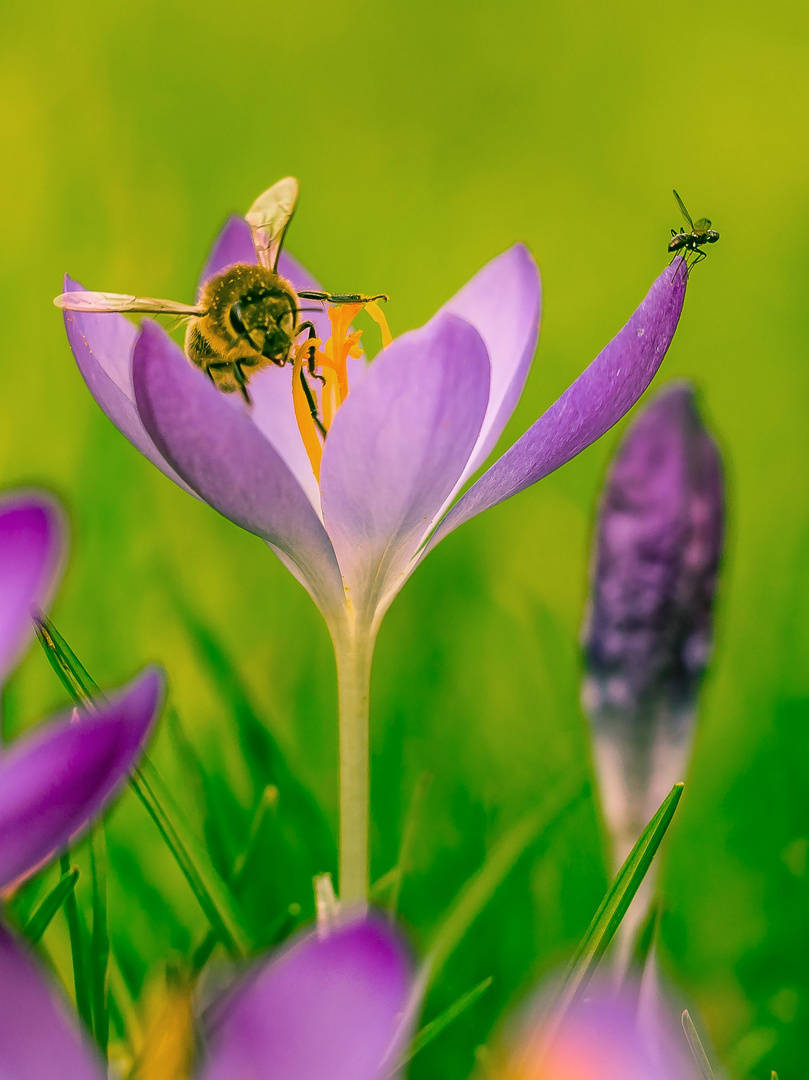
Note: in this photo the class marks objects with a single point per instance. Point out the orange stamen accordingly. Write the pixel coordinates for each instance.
(375, 311)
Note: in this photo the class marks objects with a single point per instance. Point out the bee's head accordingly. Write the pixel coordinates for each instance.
(712, 236)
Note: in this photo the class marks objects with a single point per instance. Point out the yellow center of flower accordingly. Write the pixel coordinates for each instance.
(169, 1038)
(320, 374)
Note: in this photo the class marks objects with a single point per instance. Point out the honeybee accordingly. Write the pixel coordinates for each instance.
(692, 239)
(246, 318)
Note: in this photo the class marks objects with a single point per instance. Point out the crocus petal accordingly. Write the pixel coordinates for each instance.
(396, 449)
(210, 439)
(32, 536)
(38, 1038)
(274, 415)
(55, 782)
(502, 302)
(325, 1010)
(601, 395)
(102, 346)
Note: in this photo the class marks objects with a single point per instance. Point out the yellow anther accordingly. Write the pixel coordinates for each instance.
(169, 1039)
(375, 311)
(303, 414)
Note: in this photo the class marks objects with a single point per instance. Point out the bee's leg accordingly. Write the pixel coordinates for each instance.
(312, 329)
(341, 298)
(310, 401)
(238, 375)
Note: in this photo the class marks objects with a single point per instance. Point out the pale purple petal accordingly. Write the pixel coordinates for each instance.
(39, 1039)
(503, 303)
(233, 245)
(210, 439)
(274, 415)
(54, 782)
(396, 449)
(325, 1010)
(32, 540)
(102, 345)
(601, 395)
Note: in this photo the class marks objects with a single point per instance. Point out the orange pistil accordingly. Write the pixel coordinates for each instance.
(317, 396)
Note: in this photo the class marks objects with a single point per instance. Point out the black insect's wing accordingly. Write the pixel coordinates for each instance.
(684, 212)
(702, 225)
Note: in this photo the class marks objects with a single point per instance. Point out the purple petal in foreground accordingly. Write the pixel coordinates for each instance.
(102, 346)
(210, 439)
(396, 449)
(32, 539)
(38, 1037)
(55, 782)
(502, 302)
(601, 1038)
(325, 1010)
(601, 395)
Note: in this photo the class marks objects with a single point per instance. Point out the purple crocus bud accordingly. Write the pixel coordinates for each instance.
(323, 1010)
(32, 542)
(648, 632)
(56, 781)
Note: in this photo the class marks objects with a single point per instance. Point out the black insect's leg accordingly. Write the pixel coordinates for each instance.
(310, 401)
(312, 329)
(341, 298)
(238, 375)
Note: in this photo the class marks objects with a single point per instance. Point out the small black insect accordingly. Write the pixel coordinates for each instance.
(698, 233)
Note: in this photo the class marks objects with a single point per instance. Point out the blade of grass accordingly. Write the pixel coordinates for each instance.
(435, 1027)
(612, 909)
(406, 845)
(100, 941)
(208, 888)
(480, 888)
(81, 986)
(47, 909)
(262, 752)
(696, 1047)
(266, 805)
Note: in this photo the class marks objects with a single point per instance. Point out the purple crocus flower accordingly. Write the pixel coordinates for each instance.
(415, 426)
(56, 781)
(323, 1010)
(649, 629)
(602, 1037)
(32, 544)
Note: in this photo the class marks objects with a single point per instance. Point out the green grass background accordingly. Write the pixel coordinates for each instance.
(427, 138)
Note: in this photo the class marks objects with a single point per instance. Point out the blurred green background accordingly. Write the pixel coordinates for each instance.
(427, 138)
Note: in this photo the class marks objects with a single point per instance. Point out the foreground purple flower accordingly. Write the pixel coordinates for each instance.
(649, 630)
(323, 1010)
(32, 541)
(602, 1037)
(56, 781)
(353, 516)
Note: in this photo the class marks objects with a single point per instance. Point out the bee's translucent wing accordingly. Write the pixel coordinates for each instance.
(269, 219)
(684, 212)
(106, 301)
(702, 225)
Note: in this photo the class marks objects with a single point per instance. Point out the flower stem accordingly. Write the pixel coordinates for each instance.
(354, 655)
